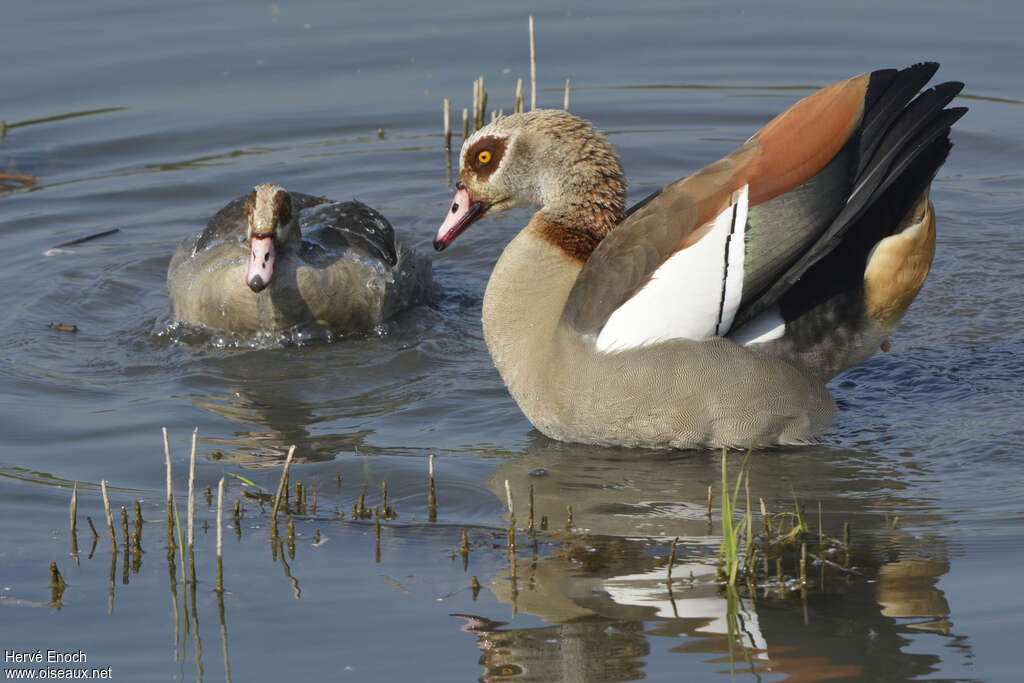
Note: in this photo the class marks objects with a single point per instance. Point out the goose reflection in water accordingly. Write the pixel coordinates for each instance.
(602, 586)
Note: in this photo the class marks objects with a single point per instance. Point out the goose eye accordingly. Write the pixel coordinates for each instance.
(484, 157)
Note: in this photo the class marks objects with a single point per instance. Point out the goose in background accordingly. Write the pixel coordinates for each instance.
(274, 261)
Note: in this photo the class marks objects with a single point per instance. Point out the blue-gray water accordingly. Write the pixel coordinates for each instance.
(149, 118)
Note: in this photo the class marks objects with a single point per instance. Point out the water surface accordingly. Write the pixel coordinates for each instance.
(147, 119)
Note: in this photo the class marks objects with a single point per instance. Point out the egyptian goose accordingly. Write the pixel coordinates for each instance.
(275, 261)
(714, 312)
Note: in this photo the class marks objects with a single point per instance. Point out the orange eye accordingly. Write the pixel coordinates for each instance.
(484, 157)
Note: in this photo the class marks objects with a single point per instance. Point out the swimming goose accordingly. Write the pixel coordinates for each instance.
(274, 261)
(714, 312)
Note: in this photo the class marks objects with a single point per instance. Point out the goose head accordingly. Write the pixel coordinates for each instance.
(271, 226)
(547, 158)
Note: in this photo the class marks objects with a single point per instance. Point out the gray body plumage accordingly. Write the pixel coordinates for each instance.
(347, 273)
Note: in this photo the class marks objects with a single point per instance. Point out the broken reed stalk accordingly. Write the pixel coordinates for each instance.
(57, 585)
(124, 527)
(384, 497)
(138, 525)
(73, 512)
(447, 124)
(56, 580)
(483, 102)
(533, 69)
(376, 553)
(281, 485)
(81, 240)
(476, 102)
(19, 178)
(568, 519)
(565, 106)
(530, 528)
(126, 565)
(95, 534)
(508, 497)
(431, 495)
(220, 543)
(191, 512)
(821, 531)
(671, 560)
(766, 521)
(110, 517)
(517, 105)
(479, 103)
(291, 538)
(465, 123)
(803, 564)
(709, 502)
(170, 496)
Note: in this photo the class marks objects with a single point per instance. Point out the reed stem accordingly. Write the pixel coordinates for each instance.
(170, 496)
(110, 517)
(73, 512)
(448, 125)
(530, 528)
(190, 513)
(220, 541)
(533, 68)
(431, 495)
(281, 486)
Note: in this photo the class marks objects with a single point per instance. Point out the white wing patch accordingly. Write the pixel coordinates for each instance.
(693, 295)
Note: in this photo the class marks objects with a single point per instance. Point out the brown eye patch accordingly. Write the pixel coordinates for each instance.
(485, 156)
(250, 204)
(282, 204)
